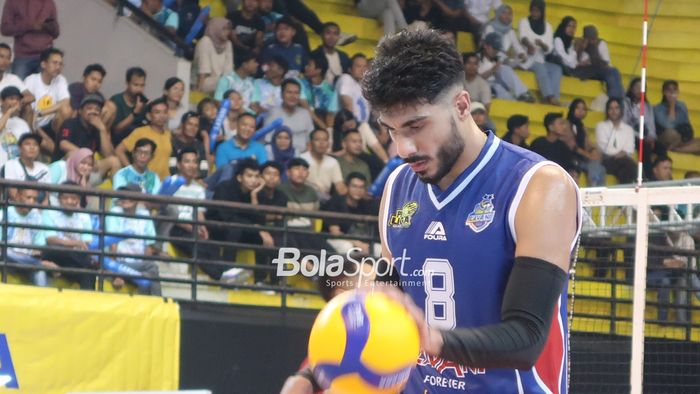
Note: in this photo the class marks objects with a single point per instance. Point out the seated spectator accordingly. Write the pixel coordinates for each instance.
(157, 132)
(299, 11)
(352, 203)
(455, 17)
(672, 122)
(615, 139)
(478, 112)
(324, 170)
(318, 95)
(269, 193)
(12, 127)
(267, 91)
(344, 121)
(79, 168)
(518, 131)
(8, 79)
(551, 147)
(213, 55)
(662, 169)
(186, 137)
(285, 48)
(26, 167)
(588, 155)
(247, 179)
(241, 80)
(503, 80)
(270, 18)
(387, 11)
(280, 149)
(69, 244)
(187, 13)
(349, 160)
(632, 110)
(173, 92)
(350, 91)
(241, 146)
(165, 17)
(187, 167)
(206, 109)
(93, 75)
(588, 59)
(299, 194)
(480, 9)
(479, 90)
(52, 104)
(137, 172)
(86, 130)
(141, 226)
(421, 14)
(126, 111)
(17, 218)
(293, 115)
(536, 36)
(231, 121)
(248, 29)
(338, 61)
(34, 26)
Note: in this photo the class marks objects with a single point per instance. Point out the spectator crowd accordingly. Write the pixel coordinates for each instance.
(323, 148)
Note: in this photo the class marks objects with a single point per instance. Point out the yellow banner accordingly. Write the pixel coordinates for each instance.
(71, 341)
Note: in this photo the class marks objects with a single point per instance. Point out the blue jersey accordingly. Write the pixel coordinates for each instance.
(454, 251)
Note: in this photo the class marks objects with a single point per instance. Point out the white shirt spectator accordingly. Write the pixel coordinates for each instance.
(348, 86)
(65, 220)
(568, 56)
(9, 136)
(46, 95)
(193, 191)
(142, 226)
(9, 79)
(479, 90)
(299, 121)
(208, 61)
(15, 170)
(602, 50)
(480, 9)
(323, 175)
(511, 46)
(612, 140)
(547, 38)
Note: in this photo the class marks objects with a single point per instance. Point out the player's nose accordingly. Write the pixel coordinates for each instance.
(405, 147)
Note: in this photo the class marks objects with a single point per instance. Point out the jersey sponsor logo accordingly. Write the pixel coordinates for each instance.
(435, 232)
(482, 215)
(402, 217)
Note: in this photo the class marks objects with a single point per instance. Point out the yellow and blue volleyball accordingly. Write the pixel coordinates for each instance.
(363, 343)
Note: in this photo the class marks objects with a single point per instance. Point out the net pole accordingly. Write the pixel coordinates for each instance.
(639, 293)
(642, 102)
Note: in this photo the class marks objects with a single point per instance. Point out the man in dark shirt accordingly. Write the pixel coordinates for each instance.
(552, 147)
(238, 189)
(248, 28)
(93, 75)
(518, 130)
(353, 202)
(187, 137)
(268, 192)
(126, 111)
(87, 130)
(285, 47)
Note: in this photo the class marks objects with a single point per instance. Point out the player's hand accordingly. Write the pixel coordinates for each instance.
(430, 338)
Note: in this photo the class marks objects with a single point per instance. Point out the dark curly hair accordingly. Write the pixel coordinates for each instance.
(412, 67)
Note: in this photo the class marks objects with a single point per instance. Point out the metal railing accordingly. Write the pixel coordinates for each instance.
(99, 254)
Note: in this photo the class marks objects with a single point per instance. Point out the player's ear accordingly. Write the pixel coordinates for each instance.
(463, 104)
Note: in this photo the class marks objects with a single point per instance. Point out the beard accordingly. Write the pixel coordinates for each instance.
(447, 156)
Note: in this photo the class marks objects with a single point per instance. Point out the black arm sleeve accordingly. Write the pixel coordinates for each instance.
(529, 301)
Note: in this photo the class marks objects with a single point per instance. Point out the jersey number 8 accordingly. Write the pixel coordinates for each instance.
(439, 284)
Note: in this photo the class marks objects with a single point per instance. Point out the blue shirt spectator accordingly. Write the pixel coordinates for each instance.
(241, 145)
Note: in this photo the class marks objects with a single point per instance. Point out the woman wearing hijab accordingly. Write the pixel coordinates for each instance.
(281, 149)
(213, 56)
(536, 37)
(502, 23)
(80, 168)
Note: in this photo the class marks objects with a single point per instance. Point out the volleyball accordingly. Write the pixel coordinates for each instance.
(363, 343)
